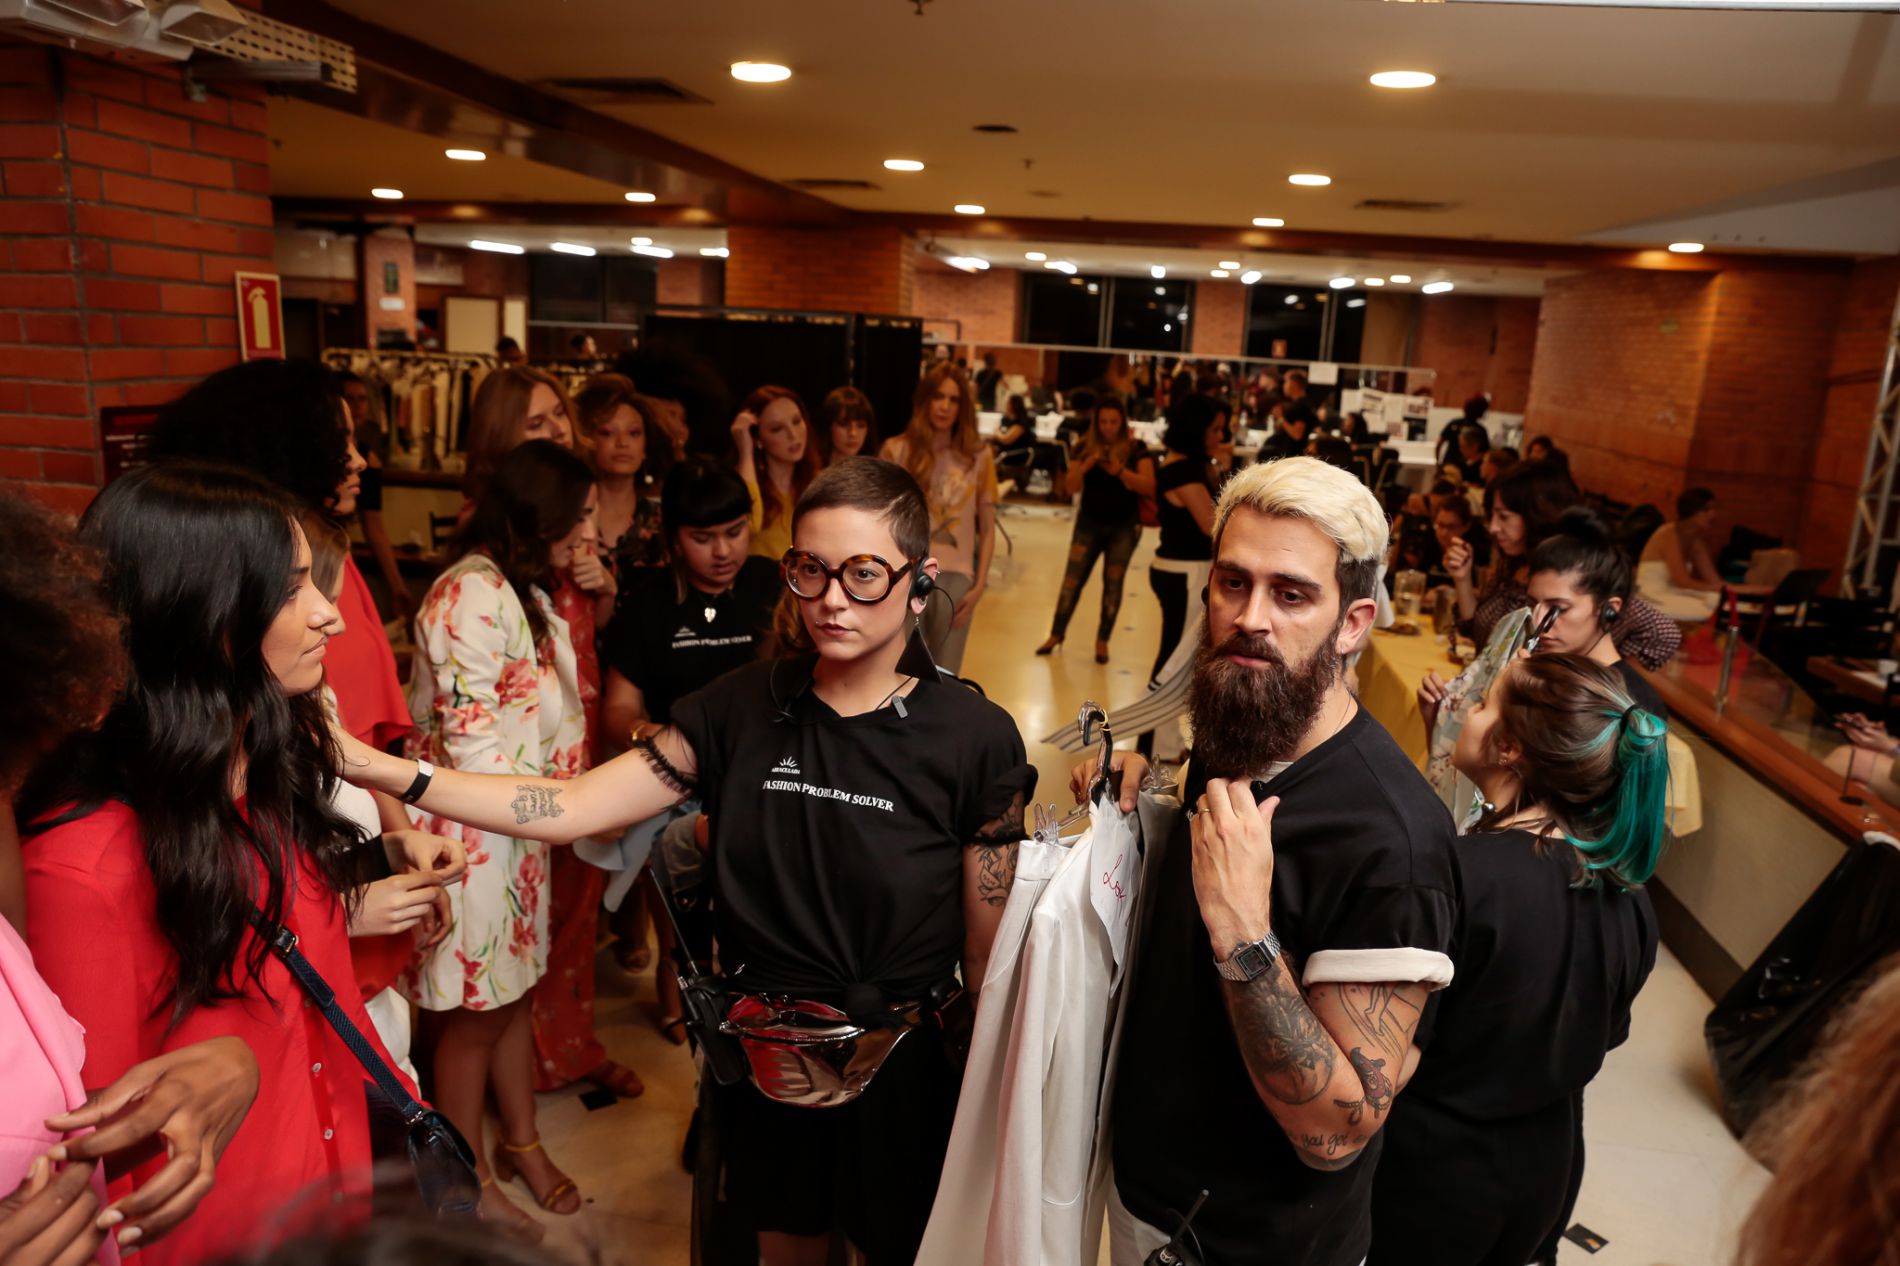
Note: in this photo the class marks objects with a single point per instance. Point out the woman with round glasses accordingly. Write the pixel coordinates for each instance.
(864, 810)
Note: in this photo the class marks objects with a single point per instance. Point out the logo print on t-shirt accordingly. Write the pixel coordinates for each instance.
(787, 766)
(684, 635)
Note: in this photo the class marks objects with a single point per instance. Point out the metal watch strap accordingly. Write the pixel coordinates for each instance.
(1250, 961)
(424, 772)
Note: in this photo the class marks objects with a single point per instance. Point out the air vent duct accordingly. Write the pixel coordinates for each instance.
(1401, 204)
(622, 90)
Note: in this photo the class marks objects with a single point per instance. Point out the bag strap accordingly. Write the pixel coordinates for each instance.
(284, 945)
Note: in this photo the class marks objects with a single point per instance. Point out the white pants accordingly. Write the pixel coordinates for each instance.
(389, 1012)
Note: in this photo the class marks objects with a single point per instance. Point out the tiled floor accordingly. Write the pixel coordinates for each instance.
(1665, 1183)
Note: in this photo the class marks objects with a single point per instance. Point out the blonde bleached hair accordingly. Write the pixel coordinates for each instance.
(1330, 499)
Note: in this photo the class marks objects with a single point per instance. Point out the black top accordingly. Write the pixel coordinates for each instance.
(1363, 866)
(369, 494)
(669, 646)
(1105, 498)
(1547, 973)
(1282, 443)
(1640, 691)
(837, 842)
(1181, 536)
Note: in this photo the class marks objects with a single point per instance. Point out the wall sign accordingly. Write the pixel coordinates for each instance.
(124, 433)
(260, 316)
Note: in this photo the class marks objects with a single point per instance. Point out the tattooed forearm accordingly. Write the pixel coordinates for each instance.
(1289, 1054)
(995, 872)
(532, 802)
(1330, 1151)
(1379, 1089)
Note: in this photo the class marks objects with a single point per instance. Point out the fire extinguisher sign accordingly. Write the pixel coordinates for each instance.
(260, 316)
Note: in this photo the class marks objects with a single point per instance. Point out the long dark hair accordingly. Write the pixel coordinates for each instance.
(1188, 421)
(1539, 492)
(200, 699)
(533, 497)
(283, 419)
(1584, 546)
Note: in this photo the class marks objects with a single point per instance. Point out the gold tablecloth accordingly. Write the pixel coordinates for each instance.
(1393, 665)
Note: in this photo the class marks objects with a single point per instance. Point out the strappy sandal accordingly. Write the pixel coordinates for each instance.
(620, 1079)
(514, 1222)
(506, 1170)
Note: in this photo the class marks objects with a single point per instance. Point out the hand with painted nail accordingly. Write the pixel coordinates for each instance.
(52, 1217)
(186, 1105)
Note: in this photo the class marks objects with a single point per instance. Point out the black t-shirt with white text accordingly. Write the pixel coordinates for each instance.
(669, 646)
(837, 843)
(1364, 889)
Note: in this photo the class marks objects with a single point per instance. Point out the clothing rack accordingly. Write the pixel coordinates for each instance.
(425, 398)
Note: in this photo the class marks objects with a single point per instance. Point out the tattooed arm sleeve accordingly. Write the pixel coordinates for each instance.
(989, 868)
(1325, 1062)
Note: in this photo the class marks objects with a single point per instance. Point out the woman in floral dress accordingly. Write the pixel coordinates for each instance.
(495, 689)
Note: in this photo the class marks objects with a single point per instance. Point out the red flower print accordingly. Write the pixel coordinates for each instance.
(519, 681)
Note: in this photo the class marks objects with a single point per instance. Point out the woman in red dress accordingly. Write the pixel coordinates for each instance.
(202, 802)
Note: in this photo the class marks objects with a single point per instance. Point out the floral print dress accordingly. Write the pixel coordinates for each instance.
(485, 703)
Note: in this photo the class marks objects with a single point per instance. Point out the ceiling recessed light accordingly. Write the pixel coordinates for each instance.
(464, 155)
(1292, 298)
(1374, 281)
(902, 164)
(640, 195)
(1355, 303)
(1075, 281)
(1310, 179)
(655, 252)
(1436, 287)
(1218, 272)
(1161, 290)
(714, 252)
(1034, 257)
(387, 194)
(1094, 289)
(1268, 222)
(1157, 271)
(1686, 248)
(761, 72)
(1404, 79)
(1061, 266)
(1342, 283)
(1399, 279)
(570, 248)
(643, 241)
(500, 248)
(1230, 263)
(968, 263)
(1168, 328)
(968, 208)
(1249, 277)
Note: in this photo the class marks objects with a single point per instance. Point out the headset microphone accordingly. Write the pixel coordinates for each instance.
(922, 585)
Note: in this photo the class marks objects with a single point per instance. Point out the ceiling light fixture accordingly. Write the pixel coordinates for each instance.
(1312, 180)
(714, 252)
(464, 155)
(1160, 291)
(1034, 257)
(761, 72)
(1686, 248)
(1404, 79)
(654, 252)
(1355, 303)
(387, 194)
(1373, 281)
(1075, 281)
(1342, 283)
(1061, 266)
(902, 164)
(1218, 272)
(500, 248)
(1268, 222)
(968, 208)
(1094, 289)
(1157, 271)
(1230, 263)
(639, 195)
(1292, 298)
(1399, 279)
(1436, 287)
(570, 248)
(1249, 277)
(643, 241)
(968, 263)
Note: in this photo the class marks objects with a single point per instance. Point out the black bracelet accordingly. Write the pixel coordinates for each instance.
(424, 772)
(662, 768)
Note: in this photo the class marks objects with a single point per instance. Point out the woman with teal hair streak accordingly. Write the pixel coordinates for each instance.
(1555, 938)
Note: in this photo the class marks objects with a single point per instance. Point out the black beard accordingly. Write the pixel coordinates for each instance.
(1245, 719)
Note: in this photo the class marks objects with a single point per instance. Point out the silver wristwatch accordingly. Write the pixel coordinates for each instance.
(1250, 961)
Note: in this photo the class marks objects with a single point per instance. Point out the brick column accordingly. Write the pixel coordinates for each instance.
(126, 209)
(830, 270)
(375, 253)
(1217, 319)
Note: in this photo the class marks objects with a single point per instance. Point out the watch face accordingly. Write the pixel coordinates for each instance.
(1252, 959)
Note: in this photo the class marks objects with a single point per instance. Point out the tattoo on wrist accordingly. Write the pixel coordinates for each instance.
(662, 768)
(532, 802)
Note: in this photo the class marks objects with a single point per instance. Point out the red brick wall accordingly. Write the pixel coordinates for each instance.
(1618, 377)
(127, 208)
(692, 281)
(1477, 344)
(1217, 319)
(989, 304)
(828, 270)
(497, 276)
(377, 250)
(1852, 385)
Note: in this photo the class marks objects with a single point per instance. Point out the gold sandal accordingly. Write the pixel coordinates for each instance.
(507, 1171)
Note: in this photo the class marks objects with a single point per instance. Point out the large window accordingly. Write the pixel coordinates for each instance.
(586, 291)
(1305, 323)
(1065, 311)
(1140, 314)
(1150, 315)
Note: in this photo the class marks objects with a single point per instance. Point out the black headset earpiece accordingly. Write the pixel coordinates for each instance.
(1609, 615)
(922, 585)
(1203, 595)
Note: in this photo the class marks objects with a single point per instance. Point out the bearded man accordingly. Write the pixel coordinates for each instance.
(1295, 941)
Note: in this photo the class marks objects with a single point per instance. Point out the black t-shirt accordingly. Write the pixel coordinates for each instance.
(669, 647)
(1181, 536)
(1363, 878)
(369, 496)
(837, 842)
(1640, 691)
(1546, 976)
(1281, 443)
(1105, 498)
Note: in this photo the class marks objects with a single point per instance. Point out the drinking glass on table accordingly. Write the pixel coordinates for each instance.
(1408, 592)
